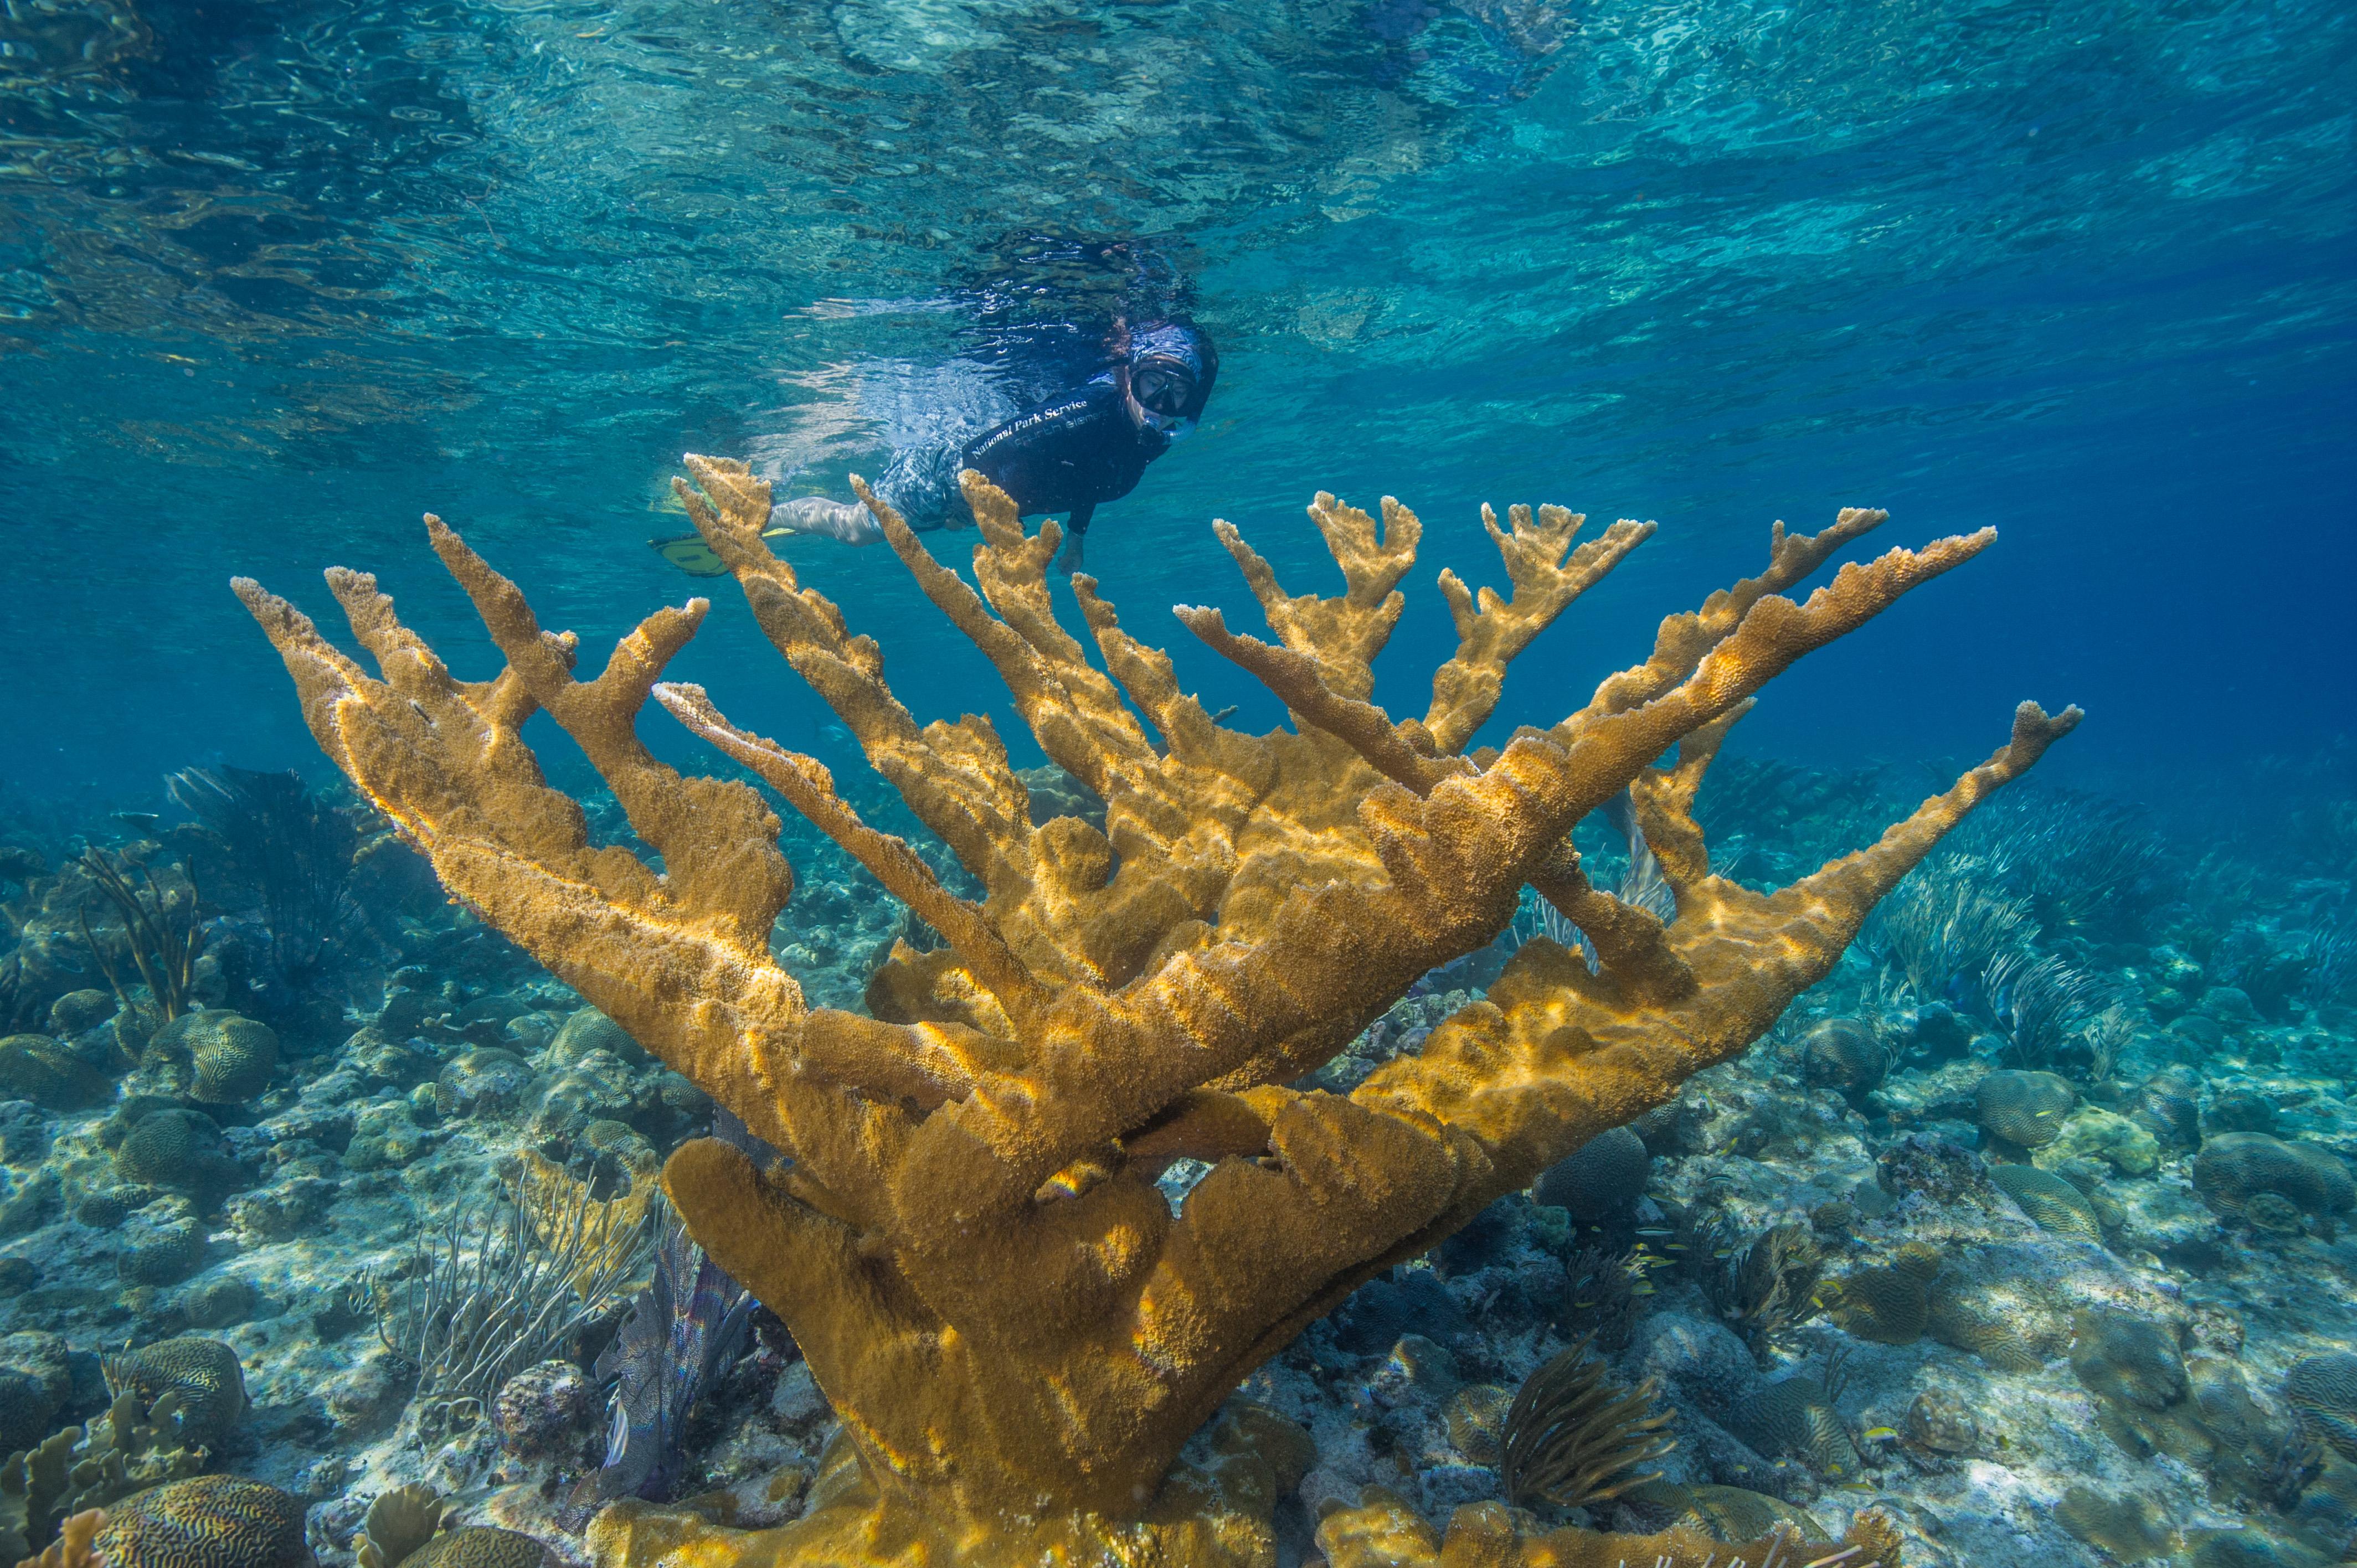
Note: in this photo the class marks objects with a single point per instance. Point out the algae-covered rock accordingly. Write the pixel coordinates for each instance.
(2234, 1168)
(1942, 1422)
(205, 1521)
(43, 1070)
(544, 1407)
(36, 1377)
(385, 1136)
(1940, 1170)
(2092, 1133)
(2023, 1108)
(215, 1057)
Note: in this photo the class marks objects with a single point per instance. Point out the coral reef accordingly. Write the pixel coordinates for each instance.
(971, 1243)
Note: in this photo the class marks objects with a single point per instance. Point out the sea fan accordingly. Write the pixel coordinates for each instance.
(685, 1327)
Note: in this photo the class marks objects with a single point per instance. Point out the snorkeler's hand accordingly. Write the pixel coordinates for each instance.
(847, 521)
(1069, 561)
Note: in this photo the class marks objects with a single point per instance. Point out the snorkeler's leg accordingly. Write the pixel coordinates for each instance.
(849, 522)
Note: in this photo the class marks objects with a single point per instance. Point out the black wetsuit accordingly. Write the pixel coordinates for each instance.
(1068, 454)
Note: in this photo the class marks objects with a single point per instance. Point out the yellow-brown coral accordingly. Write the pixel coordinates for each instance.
(969, 1243)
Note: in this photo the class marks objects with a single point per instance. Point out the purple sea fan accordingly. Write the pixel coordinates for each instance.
(685, 1327)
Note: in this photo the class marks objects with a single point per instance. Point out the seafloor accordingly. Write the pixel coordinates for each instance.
(2025, 1228)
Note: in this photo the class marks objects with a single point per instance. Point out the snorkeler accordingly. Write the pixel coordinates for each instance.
(1064, 453)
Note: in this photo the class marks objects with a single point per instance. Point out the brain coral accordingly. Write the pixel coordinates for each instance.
(177, 1148)
(215, 1057)
(477, 1546)
(2169, 1106)
(2047, 1200)
(1599, 1178)
(160, 1249)
(204, 1521)
(2127, 1358)
(38, 1069)
(590, 1030)
(2024, 1108)
(1887, 1305)
(1794, 1417)
(1843, 1054)
(203, 1372)
(1475, 1415)
(481, 1081)
(2232, 1167)
(1980, 1303)
(2131, 1529)
(2323, 1389)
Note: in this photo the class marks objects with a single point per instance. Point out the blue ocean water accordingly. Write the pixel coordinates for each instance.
(2056, 1152)
(277, 278)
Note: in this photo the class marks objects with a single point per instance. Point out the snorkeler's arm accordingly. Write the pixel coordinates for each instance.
(1074, 530)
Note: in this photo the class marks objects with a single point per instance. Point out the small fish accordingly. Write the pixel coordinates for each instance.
(1723, 1252)
(1656, 1231)
(1581, 1305)
(1878, 1433)
(1643, 1288)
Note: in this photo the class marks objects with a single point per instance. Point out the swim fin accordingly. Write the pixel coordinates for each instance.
(692, 555)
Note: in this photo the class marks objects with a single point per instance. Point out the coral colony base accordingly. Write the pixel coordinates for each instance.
(966, 1231)
(1205, 1148)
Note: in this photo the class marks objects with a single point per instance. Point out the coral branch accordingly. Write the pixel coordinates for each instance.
(1466, 689)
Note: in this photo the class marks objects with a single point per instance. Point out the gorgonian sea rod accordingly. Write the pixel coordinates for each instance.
(968, 1240)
